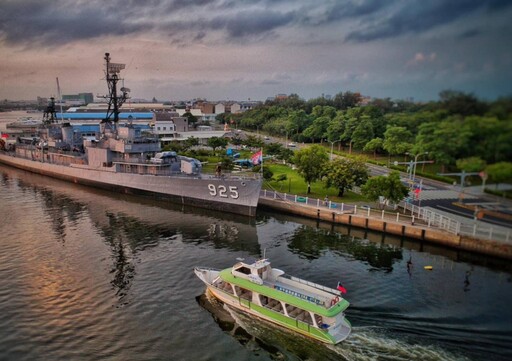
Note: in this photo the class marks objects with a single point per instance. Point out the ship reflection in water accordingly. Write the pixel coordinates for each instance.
(129, 224)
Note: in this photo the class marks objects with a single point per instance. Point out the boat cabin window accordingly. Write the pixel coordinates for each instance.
(243, 293)
(261, 271)
(244, 270)
(271, 303)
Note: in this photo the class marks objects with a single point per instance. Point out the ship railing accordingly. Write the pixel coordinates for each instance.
(231, 176)
(66, 158)
(131, 160)
(312, 284)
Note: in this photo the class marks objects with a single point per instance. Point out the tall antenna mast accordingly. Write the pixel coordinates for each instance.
(112, 71)
(60, 100)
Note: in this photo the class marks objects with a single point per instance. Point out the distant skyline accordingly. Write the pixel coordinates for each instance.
(250, 49)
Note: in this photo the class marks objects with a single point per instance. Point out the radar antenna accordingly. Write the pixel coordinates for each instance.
(112, 71)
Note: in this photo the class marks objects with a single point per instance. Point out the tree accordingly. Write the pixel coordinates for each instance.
(500, 172)
(471, 164)
(192, 119)
(298, 120)
(310, 162)
(190, 142)
(456, 102)
(336, 128)
(227, 163)
(267, 173)
(253, 141)
(217, 142)
(444, 141)
(347, 100)
(373, 145)
(397, 140)
(318, 129)
(323, 111)
(280, 179)
(344, 173)
(363, 133)
(390, 187)
(489, 138)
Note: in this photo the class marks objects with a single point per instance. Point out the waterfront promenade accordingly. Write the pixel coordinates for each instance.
(412, 222)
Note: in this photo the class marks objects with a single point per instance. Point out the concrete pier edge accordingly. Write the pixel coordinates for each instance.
(432, 235)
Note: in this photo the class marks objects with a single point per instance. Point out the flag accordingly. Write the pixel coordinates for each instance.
(257, 157)
(341, 288)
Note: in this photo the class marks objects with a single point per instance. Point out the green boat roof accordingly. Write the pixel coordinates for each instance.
(282, 296)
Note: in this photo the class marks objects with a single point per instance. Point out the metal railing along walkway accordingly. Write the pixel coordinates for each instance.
(419, 216)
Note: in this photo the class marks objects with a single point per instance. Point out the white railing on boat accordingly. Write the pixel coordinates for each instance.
(312, 284)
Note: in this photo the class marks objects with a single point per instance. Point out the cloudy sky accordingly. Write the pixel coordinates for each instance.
(254, 49)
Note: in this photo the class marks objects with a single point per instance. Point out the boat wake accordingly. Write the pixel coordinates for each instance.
(376, 343)
(364, 344)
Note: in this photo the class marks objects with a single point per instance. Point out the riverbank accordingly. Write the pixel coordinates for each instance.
(386, 224)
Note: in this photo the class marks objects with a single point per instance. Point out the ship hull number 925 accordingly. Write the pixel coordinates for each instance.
(223, 191)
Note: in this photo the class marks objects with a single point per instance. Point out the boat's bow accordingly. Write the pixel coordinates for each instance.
(206, 274)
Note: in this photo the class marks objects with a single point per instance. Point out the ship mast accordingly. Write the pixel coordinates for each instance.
(50, 115)
(112, 71)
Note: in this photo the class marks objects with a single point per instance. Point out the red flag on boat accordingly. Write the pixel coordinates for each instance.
(257, 157)
(341, 288)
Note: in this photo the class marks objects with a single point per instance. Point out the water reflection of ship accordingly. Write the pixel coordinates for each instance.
(258, 336)
(130, 224)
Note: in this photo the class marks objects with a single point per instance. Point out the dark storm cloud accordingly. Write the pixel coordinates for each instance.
(417, 16)
(52, 23)
(250, 23)
(55, 23)
(343, 9)
(58, 22)
(470, 34)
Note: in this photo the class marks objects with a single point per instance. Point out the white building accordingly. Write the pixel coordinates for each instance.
(220, 108)
(235, 108)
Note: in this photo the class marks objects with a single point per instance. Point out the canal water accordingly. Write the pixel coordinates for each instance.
(89, 275)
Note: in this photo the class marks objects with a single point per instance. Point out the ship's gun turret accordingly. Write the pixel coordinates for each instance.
(164, 157)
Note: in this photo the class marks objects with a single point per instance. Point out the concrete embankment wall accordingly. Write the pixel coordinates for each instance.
(433, 235)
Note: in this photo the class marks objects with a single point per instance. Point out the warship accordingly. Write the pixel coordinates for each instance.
(127, 159)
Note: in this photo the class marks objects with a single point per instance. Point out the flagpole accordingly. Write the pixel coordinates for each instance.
(261, 168)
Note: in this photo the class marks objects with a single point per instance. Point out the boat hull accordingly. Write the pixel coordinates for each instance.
(234, 195)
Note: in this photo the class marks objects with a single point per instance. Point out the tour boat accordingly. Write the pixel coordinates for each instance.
(258, 289)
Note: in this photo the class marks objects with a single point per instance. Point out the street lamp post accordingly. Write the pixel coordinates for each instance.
(412, 165)
(416, 163)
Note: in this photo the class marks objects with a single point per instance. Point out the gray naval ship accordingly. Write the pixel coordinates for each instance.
(128, 160)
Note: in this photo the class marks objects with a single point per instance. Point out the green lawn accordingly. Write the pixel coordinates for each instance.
(295, 184)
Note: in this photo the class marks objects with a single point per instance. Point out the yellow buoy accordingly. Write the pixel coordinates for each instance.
(429, 268)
